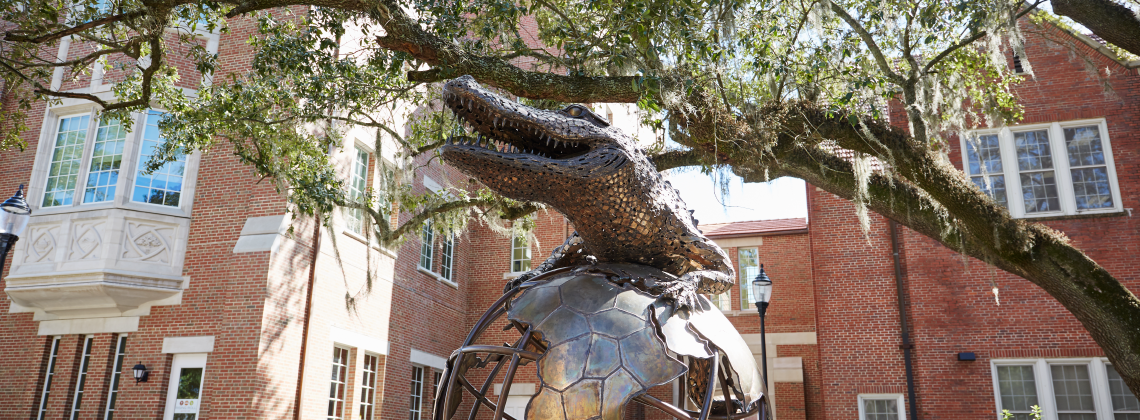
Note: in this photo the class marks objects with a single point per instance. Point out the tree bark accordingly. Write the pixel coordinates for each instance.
(1106, 18)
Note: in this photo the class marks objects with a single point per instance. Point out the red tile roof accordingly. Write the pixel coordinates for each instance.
(753, 227)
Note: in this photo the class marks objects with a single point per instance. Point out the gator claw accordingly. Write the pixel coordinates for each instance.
(682, 291)
(522, 278)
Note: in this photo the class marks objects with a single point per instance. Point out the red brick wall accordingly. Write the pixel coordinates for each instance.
(951, 308)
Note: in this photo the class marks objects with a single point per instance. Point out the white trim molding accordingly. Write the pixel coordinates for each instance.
(428, 359)
(348, 338)
(198, 344)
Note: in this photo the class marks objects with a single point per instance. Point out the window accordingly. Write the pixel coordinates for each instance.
(985, 161)
(749, 266)
(447, 258)
(1125, 406)
(881, 407)
(116, 376)
(1045, 169)
(368, 387)
(520, 254)
(81, 381)
(184, 395)
(427, 246)
(1063, 389)
(417, 399)
(164, 185)
(357, 184)
(48, 377)
(339, 380)
(86, 160)
(438, 376)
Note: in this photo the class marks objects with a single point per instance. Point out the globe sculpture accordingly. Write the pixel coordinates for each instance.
(601, 340)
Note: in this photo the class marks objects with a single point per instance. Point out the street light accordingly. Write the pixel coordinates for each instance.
(762, 293)
(14, 215)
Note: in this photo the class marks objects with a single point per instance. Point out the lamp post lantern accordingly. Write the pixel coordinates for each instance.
(762, 293)
(14, 215)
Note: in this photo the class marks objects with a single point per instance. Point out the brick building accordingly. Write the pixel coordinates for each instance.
(195, 273)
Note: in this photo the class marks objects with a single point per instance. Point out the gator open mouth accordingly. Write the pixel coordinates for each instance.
(506, 127)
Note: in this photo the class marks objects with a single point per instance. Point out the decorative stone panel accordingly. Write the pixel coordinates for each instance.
(98, 263)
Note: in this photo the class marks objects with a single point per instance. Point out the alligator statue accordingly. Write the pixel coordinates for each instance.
(603, 313)
(595, 175)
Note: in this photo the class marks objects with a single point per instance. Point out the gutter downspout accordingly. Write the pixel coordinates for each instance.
(308, 315)
(906, 345)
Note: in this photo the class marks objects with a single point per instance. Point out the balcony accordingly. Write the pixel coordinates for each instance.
(105, 263)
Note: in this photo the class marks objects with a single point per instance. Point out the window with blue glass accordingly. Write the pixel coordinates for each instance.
(164, 185)
(1061, 168)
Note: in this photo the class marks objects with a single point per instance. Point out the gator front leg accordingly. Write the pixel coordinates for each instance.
(567, 254)
(717, 276)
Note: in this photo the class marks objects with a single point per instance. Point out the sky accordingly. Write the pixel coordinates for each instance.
(777, 199)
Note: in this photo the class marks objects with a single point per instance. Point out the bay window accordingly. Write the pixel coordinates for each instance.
(1053, 169)
(90, 160)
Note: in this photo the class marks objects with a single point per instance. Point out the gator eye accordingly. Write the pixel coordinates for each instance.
(575, 112)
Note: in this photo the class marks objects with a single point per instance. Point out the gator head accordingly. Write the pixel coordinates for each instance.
(531, 154)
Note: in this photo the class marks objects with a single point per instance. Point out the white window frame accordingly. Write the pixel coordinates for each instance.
(345, 383)
(447, 260)
(180, 361)
(120, 358)
(354, 218)
(530, 255)
(368, 387)
(417, 411)
(1043, 379)
(81, 375)
(427, 247)
(1061, 167)
(53, 357)
(896, 397)
(128, 169)
(746, 280)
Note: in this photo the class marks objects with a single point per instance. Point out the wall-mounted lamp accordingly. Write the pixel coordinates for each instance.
(140, 373)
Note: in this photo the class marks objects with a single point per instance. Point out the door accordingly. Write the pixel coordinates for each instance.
(184, 396)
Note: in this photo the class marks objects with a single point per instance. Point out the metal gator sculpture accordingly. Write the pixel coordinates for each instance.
(596, 315)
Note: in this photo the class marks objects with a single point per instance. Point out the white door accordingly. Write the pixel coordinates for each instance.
(516, 406)
(184, 396)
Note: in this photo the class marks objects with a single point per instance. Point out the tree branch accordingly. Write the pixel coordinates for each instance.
(869, 40)
(13, 37)
(1106, 18)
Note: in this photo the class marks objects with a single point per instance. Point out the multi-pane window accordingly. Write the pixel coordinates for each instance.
(415, 408)
(1088, 168)
(81, 380)
(338, 383)
(984, 164)
(447, 258)
(1035, 170)
(1063, 389)
(1045, 169)
(1125, 406)
(66, 159)
(881, 407)
(749, 267)
(106, 159)
(368, 387)
(520, 254)
(48, 376)
(357, 185)
(116, 376)
(1072, 390)
(87, 158)
(1017, 389)
(427, 246)
(164, 185)
(438, 376)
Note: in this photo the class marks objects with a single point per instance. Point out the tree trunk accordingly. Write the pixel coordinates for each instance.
(1106, 18)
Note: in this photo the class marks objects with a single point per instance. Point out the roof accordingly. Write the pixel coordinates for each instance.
(754, 228)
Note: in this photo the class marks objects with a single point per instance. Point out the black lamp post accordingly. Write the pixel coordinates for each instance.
(762, 293)
(14, 215)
